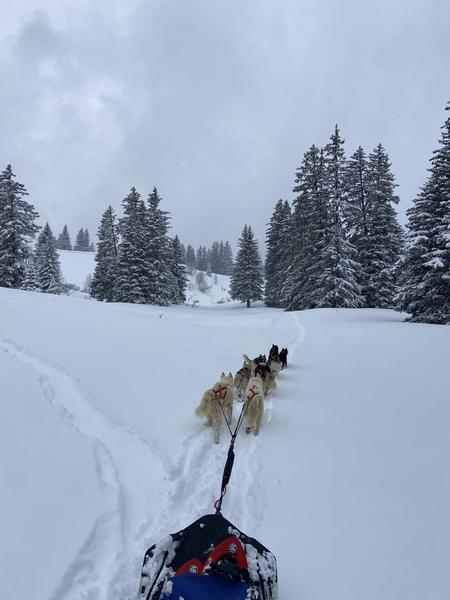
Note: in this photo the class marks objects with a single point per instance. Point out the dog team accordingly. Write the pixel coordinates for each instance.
(251, 384)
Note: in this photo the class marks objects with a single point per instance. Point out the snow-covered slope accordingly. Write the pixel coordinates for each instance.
(348, 483)
(77, 266)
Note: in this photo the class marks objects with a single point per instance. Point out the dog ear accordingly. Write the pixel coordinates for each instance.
(230, 374)
(223, 375)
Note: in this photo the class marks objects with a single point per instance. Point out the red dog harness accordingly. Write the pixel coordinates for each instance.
(221, 392)
(253, 391)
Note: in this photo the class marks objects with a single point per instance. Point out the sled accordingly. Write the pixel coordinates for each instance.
(209, 560)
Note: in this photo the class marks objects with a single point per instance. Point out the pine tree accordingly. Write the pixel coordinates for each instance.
(384, 240)
(30, 282)
(80, 241)
(190, 259)
(425, 292)
(278, 253)
(228, 259)
(17, 227)
(162, 286)
(132, 279)
(246, 280)
(105, 273)
(178, 271)
(337, 271)
(63, 242)
(88, 246)
(309, 233)
(48, 270)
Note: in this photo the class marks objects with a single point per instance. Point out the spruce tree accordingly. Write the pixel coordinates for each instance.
(425, 293)
(48, 270)
(105, 273)
(278, 253)
(178, 271)
(63, 242)
(383, 243)
(227, 258)
(88, 246)
(338, 273)
(17, 227)
(80, 241)
(190, 259)
(132, 281)
(308, 234)
(162, 286)
(30, 282)
(246, 279)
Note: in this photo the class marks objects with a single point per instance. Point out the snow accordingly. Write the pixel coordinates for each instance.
(76, 266)
(348, 483)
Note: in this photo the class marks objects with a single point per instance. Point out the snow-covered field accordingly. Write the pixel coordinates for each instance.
(348, 483)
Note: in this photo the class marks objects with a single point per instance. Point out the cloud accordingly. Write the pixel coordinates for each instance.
(213, 102)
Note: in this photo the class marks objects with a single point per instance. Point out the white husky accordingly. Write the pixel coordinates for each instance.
(254, 404)
(222, 392)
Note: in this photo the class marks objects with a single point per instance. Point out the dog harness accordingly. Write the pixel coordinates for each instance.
(253, 391)
(221, 392)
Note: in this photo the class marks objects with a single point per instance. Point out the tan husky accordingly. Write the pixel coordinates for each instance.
(254, 404)
(222, 392)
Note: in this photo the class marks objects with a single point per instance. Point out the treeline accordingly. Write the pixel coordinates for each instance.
(136, 260)
(23, 266)
(82, 242)
(340, 244)
(216, 259)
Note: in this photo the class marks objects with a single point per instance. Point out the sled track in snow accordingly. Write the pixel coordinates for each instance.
(194, 480)
(104, 558)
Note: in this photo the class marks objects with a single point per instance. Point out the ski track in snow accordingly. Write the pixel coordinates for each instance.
(105, 554)
(105, 566)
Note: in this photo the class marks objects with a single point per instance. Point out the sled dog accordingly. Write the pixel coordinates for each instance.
(241, 379)
(251, 364)
(222, 392)
(283, 357)
(273, 353)
(268, 379)
(254, 404)
(275, 366)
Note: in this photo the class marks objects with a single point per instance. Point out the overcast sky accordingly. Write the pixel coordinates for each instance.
(212, 101)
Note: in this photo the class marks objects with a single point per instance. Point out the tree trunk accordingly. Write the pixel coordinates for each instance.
(248, 302)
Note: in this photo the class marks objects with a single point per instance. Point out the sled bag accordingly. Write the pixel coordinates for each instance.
(209, 559)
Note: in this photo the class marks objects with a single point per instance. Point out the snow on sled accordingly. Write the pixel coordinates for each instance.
(209, 560)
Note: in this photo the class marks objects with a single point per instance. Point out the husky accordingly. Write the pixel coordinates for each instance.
(283, 357)
(273, 353)
(241, 379)
(268, 379)
(251, 364)
(254, 404)
(275, 366)
(222, 392)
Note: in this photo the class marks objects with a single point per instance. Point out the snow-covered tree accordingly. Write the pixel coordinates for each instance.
(79, 241)
(227, 258)
(309, 232)
(17, 227)
(383, 244)
(132, 279)
(246, 279)
(162, 286)
(106, 258)
(48, 270)
(178, 271)
(425, 293)
(63, 242)
(88, 246)
(190, 259)
(30, 282)
(278, 253)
